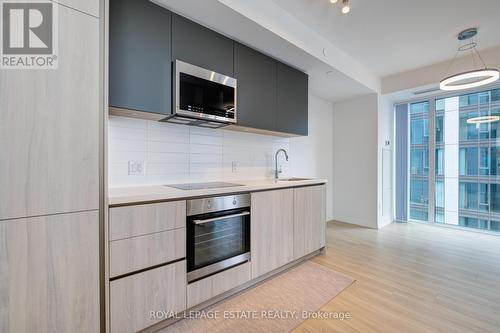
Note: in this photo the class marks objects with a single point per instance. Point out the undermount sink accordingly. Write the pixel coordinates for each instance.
(293, 179)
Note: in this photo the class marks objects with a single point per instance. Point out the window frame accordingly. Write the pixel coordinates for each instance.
(433, 146)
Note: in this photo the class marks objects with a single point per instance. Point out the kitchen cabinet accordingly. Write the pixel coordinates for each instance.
(309, 221)
(256, 75)
(49, 127)
(89, 6)
(136, 253)
(140, 69)
(134, 297)
(209, 287)
(271, 230)
(200, 46)
(131, 221)
(49, 276)
(292, 100)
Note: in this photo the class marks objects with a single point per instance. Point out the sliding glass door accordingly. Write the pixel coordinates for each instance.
(454, 161)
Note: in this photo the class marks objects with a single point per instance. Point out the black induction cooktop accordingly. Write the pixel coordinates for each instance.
(202, 186)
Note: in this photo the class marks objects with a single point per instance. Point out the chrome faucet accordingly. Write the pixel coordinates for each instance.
(278, 170)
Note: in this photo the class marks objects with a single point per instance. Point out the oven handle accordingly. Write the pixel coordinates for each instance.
(197, 222)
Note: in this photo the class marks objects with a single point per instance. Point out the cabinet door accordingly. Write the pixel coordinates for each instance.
(49, 276)
(134, 297)
(256, 75)
(292, 100)
(271, 230)
(309, 220)
(49, 127)
(197, 45)
(140, 68)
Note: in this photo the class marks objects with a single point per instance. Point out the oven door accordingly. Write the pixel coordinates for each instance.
(217, 241)
(204, 94)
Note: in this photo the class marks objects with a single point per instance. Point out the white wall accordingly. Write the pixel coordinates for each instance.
(176, 153)
(355, 145)
(312, 156)
(385, 161)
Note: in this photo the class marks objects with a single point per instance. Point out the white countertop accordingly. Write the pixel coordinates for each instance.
(142, 194)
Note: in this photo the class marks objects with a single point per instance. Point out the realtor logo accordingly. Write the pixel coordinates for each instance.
(29, 34)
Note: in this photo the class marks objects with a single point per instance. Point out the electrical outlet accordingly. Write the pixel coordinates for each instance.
(136, 168)
(234, 167)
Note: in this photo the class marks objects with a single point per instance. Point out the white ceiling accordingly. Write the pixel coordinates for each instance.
(324, 80)
(393, 36)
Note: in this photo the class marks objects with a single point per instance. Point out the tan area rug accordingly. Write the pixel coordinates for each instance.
(277, 305)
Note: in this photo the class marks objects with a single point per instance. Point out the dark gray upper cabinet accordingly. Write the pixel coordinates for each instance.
(197, 45)
(292, 100)
(140, 56)
(256, 75)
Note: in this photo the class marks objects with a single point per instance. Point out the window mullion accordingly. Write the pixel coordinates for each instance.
(432, 160)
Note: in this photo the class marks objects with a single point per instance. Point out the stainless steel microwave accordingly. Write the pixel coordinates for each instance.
(202, 97)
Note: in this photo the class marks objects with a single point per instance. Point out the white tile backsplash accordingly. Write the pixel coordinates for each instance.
(176, 153)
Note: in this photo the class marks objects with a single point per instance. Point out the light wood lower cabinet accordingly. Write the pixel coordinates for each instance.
(309, 220)
(200, 291)
(134, 298)
(137, 220)
(49, 274)
(132, 254)
(271, 230)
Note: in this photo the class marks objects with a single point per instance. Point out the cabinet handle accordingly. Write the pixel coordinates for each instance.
(197, 222)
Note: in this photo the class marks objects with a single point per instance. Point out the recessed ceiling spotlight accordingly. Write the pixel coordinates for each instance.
(346, 8)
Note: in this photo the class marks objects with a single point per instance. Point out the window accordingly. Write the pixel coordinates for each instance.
(419, 161)
(463, 175)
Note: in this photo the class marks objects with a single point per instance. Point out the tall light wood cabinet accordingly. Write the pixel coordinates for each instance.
(271, 230)
(49, 274)
(309, 221)
(49, 127)
(50, 124)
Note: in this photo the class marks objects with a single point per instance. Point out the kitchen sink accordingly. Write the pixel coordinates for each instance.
(293, 179)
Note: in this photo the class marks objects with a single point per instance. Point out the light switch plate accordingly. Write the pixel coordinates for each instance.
(136, 168)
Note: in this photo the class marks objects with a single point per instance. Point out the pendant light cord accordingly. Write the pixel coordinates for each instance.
(451, 63)
(480, 58)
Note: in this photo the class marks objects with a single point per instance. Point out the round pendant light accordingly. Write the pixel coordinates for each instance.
(470, 79)
(483, 120)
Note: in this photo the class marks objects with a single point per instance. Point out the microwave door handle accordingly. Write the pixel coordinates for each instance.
(198, 222)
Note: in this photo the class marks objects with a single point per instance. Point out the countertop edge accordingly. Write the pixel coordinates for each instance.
(146, 198)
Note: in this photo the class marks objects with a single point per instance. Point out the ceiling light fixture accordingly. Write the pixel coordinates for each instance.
(346, 8)
(483, 120)
(470, 79)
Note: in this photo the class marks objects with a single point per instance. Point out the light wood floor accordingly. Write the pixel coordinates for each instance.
(413, 278)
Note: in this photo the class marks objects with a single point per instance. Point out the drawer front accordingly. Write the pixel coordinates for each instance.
(133, 298)
(132, 254)
(131, 221)
(202, 290)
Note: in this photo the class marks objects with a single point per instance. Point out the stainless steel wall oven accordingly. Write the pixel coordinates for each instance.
(218, 234)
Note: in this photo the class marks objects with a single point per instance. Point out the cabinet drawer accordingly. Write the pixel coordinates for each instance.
(133, 298)
(131, 221)
(202, 290)
(132, 254)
